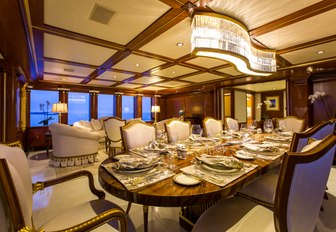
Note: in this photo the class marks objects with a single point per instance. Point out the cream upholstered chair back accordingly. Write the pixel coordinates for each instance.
(137, 134)
(301, 186)
(14, 159)
(292, 123)
(160, 127)
(112, 127)
(212, 126)
(318, 132)
(231, 124)
(177, 130)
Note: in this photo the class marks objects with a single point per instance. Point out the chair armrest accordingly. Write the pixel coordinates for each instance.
(41, 185)
(112, 214)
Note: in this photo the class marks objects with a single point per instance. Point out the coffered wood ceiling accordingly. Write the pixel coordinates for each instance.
(137, 49)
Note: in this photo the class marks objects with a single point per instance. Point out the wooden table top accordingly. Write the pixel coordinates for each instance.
(170, 194)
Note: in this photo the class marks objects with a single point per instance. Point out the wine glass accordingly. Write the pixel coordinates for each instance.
(253, 124)
(268, 126)
(196, 130)
(170, 159)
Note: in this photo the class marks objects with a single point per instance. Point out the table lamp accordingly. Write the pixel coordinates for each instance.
(60, 108)
(155, 109)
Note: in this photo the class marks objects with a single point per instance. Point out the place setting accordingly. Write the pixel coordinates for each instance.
(135, 172)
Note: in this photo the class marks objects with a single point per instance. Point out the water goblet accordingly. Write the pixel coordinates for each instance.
(268, 126)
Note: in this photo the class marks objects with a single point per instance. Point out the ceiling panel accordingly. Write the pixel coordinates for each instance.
(71, 80)
(173, 84)
(288, 36)
(60, 68)
(206, 62)
(166, 44)
(174, 71)
(72, 50)
(147, 80)
(152, 88)
(230, 70)
(129, 86)
(311, 53)
(101, 82)
(114, 76)
(255, 13)
(136, 63)
(202, 77)
(134, 15)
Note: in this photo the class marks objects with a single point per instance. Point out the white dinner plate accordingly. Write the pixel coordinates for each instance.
(244, 156)
(186, 179)
(133, 171)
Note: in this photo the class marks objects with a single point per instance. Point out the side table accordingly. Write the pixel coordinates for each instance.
(48, 141)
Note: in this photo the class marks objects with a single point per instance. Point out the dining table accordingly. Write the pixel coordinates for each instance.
(167, 192)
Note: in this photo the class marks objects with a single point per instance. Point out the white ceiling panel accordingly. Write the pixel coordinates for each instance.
(262, 87)
(174, 71)
(129, 86)
(59, 68)
(206, 62)
(173, 84)
(114, 76)
(202, 77)
(147, 80)
(254, 13)
(178, 34)
(152, 88)
(134, 15)
(101, 82)
(72, 50)
(289, 36)
(50, 77)
(136, 63)
(230, 70)
(310, 53)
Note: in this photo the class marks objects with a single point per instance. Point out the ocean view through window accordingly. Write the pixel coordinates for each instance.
(127, 107)
(41, 102)
(78, 107)
(146, 108)
(105, 105)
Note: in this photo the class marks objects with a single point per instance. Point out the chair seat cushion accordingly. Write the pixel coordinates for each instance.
(235, 214)
(82, 212)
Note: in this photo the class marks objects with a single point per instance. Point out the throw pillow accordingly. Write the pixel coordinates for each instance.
(96, 125)
(311, 145)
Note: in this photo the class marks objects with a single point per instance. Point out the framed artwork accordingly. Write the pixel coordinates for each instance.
(274, 103)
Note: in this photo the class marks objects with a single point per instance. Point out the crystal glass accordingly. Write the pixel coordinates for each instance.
(243, 127)
(196, 130)
(253, 124)
(268, 126)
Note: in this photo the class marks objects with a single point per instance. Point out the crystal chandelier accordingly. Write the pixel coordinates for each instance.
(218, 36)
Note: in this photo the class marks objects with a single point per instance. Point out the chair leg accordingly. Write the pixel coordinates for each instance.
(145, 217)
(128, 207)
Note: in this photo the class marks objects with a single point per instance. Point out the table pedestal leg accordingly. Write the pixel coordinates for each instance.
(145, 216)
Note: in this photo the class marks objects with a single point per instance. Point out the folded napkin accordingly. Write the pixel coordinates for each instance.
(259, 147)
(137, 163)
(220, 161)
(154, 145)
(233, 134)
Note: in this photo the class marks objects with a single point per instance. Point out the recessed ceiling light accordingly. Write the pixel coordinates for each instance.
(115, 76)
(173, 72)
(179, 44)
(320, 52)
(63, 79)
(137, 65)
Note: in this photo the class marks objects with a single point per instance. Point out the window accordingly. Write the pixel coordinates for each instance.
(127, 107)
(146, 108)
(78, 107)
(105, 105)
(41, 102)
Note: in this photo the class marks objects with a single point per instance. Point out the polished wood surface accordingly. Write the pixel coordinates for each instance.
(168, 193)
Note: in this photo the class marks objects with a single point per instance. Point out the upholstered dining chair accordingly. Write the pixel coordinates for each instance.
(299, 195)
(291, 123)
(112, 129)
(262, 190)
(177, 130)
(137, 134)
(212, 126)
(16, 203)
(231, 124)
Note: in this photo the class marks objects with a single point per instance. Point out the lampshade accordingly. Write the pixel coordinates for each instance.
(155, 109)
(60, 107)
(218, 36)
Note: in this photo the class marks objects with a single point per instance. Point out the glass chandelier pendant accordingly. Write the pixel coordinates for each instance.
(218, 36)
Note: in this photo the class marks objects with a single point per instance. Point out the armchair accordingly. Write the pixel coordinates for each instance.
(112, 129)
(73, 146)
(17, 191)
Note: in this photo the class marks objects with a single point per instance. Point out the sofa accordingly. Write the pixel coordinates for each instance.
(73, 146)
(95, 126)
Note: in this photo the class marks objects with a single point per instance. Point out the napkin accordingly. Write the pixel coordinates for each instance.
(259, 147)
(154, 145)
(220, 161)
(137, 163)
